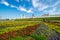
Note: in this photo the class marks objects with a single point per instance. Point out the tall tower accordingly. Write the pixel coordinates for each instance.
(48, 14)
(32, 15)
(22, 16)
(0, 17)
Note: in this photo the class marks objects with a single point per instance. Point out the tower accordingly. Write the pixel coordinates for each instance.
(32, 15)
(22, 16)
(0, 17)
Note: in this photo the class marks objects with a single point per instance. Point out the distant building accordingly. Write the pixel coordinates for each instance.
(45, 14)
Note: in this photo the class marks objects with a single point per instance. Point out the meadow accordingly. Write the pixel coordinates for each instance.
(29, 29)
(9, 28)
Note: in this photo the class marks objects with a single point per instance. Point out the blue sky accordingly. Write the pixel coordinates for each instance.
(15, 8)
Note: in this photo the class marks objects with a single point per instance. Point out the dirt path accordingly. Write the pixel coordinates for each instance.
(49, 33)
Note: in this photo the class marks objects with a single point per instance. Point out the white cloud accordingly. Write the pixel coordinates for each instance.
(39, 5)
(53, 10)
(12, 6)
(29, 11)
(35, 3)
(22, 8)
(54, 5)
(25, 10)
(5, 3)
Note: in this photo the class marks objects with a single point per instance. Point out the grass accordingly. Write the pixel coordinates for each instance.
(57, 29)
(17, 38)
(15, 25)
(30, 37)
(38, 37)
(6, 26)
(54, 27)
(53, 18)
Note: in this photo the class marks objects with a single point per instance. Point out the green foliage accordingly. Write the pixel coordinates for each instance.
(38, 37)
(28, 38)
(6, 26)
(53, 26)
(17, 38)
(38, 19)
(53, 18)
(57, 30)
(29, 19)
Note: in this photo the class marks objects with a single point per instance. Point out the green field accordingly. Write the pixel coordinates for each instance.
(29, 29)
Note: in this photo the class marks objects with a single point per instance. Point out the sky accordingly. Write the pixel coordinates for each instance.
(10, 9)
